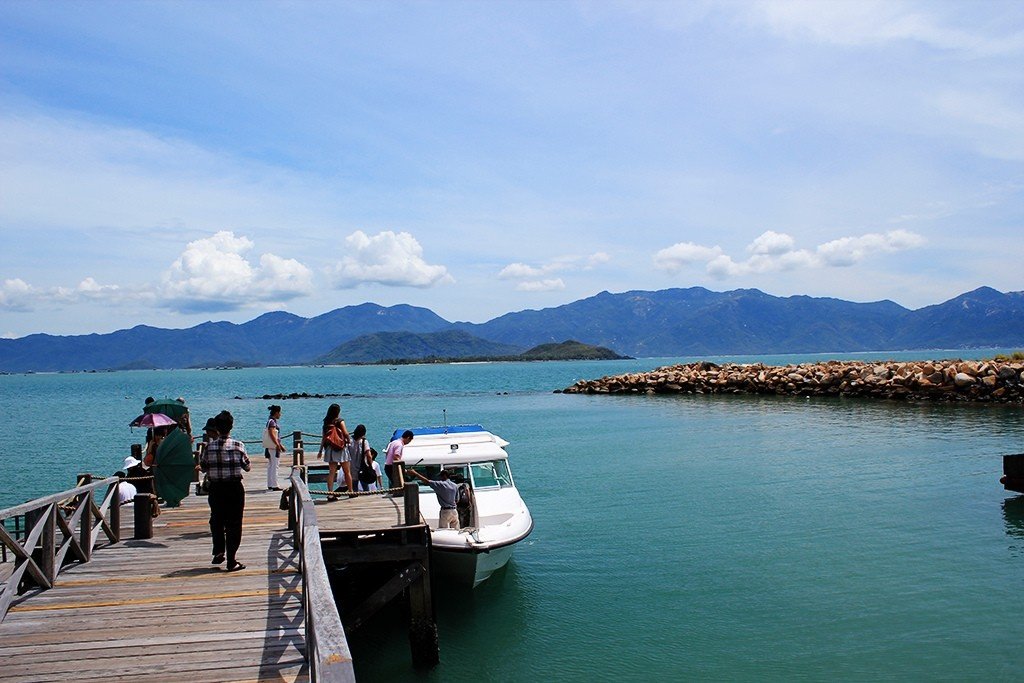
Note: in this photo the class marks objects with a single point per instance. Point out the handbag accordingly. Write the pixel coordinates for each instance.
(268, 439)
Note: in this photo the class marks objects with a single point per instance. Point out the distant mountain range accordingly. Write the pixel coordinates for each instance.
(670, 322)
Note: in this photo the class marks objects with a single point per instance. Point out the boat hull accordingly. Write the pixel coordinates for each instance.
(469, 568)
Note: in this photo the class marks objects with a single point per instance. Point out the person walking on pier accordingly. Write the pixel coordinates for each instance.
(224, 460)
(356, 450)
(272, 447)
(332, 447)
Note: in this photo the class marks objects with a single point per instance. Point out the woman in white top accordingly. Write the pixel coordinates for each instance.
(272, 447)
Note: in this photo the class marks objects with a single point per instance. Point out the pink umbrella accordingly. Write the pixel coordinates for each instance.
(151, 420)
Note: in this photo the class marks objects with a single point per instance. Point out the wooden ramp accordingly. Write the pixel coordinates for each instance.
(157, 610)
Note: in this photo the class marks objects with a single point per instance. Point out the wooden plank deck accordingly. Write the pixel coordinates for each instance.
(158, 610)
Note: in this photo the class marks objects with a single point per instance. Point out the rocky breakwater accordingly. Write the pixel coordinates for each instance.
(947, 380)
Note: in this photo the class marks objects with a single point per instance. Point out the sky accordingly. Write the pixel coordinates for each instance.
(168, 163)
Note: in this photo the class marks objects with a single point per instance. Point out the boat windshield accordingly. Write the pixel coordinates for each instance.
(490, 474)
(458, 473)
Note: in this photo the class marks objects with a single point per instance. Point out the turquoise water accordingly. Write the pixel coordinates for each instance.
(690, 537)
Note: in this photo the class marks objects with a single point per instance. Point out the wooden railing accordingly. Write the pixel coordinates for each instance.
(326, 645)
(59, 529)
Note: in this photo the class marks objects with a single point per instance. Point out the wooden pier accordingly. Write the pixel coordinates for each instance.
(95, 603)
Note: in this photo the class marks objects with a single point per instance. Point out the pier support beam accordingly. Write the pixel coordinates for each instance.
(144, 515)
(422, 621)
(422, 624)
(1013, 472)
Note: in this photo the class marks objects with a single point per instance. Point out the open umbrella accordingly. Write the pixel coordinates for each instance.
(167, 406)
(151, 420)
(174, 467)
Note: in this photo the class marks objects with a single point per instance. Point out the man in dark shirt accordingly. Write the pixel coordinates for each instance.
(224, 460)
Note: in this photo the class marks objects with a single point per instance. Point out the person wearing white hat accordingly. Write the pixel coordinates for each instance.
(141, 475)
(126, 490)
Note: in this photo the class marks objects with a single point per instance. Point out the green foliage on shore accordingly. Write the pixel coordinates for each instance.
(1015, 356)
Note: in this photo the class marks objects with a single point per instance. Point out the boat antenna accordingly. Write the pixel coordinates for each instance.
(444, 412)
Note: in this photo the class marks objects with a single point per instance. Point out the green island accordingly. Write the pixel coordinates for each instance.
(406, 348)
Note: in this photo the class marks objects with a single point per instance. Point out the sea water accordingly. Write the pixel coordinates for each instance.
(677, 537)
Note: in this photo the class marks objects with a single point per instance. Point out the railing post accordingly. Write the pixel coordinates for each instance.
(291, 504)
(299, 454)
(49, 543)
(32, 519)
(412, 504)
(115, 511)
(144, 515)
(85, 527)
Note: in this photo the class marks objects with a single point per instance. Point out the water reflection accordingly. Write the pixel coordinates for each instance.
(1013, 519)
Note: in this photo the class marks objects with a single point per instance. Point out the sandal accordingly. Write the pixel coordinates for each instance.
(218, 558)
(236, 566)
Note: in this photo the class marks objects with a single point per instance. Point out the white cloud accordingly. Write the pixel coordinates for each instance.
(90, 289)
(678, 256)
(771, 243)
(213, 274)
(387, 258)
(881, 21)
(847, 251)
(773, 252)
(541, 285)
(16, 295)
(723, 266)
(531, 278)
(8, 335)
(519, 271)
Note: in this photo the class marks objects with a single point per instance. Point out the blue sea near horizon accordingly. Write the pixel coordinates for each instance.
(678, 537)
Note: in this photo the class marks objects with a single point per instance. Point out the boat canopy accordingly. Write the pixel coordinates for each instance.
(457, 444)
(451, 429)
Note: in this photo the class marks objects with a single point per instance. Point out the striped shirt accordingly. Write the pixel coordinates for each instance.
(224, 460)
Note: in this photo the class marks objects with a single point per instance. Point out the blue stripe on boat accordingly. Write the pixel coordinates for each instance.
(450, 429)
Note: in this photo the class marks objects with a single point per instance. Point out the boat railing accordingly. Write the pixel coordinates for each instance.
(54, 531)
(327, 650)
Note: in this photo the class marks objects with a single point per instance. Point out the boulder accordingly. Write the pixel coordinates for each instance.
(962, 380)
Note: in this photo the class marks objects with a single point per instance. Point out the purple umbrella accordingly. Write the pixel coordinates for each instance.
(151, 420)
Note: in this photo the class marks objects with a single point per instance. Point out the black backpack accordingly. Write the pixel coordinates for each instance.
(366, 474)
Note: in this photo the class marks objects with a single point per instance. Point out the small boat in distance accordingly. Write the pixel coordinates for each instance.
(492, 515)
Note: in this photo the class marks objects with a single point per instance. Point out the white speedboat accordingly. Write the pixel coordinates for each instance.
(492, 516)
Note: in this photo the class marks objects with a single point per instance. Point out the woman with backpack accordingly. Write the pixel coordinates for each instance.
(332, 447)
